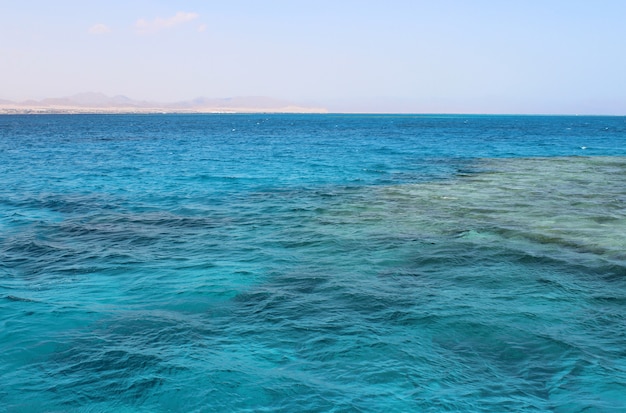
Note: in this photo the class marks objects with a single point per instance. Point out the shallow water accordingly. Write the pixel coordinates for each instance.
(312, 263)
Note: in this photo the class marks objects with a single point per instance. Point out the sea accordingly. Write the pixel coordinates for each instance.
(312, 263)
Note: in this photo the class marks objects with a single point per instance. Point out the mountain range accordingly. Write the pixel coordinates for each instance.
(92, 102)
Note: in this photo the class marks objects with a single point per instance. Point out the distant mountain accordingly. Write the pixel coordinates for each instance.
(91, 99)
(92, 102)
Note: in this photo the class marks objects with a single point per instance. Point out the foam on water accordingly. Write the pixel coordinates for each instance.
(174, 266)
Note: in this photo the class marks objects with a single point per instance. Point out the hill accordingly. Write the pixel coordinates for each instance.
(92, 102)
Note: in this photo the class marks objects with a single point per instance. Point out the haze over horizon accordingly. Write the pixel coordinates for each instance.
(401, 56)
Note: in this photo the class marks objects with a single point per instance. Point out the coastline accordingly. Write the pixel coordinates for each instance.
(99, 103)
(71, 110)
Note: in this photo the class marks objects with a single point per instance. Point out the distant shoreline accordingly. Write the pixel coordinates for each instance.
(99, 103)
(94, 103)
(34, 110)
(42, 111)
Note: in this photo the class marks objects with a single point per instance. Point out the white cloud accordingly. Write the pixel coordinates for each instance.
(202, 28)
(144, 26)
(99, 29)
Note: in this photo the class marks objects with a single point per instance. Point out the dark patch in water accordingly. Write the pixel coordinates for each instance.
(19, 299)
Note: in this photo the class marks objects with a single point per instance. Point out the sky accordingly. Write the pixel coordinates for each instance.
(444, 56)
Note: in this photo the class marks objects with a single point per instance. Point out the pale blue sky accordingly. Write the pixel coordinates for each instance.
(419, 56)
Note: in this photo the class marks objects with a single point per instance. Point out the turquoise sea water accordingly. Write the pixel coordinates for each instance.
(331, 263)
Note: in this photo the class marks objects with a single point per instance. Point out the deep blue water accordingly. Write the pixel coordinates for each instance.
(331, 263)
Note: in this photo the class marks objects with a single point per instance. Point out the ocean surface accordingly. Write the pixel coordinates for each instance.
(312, 263)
